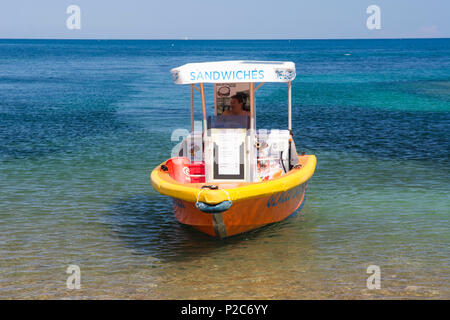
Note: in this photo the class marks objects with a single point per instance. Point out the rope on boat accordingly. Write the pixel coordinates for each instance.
(226, 194)
(198, 195)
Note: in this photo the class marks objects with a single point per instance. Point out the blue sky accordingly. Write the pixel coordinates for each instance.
(231, 19)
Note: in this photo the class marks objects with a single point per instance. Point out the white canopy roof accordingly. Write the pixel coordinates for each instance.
(234, 71)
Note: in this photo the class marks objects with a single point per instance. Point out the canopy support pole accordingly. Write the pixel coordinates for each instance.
(202, 90)
(192, 108)
(252, 136)
(289, 106)
(252, 105)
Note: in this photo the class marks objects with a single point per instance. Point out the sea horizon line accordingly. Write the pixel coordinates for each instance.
(218, 39)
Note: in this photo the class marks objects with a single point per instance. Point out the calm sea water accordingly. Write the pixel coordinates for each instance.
(82, 124)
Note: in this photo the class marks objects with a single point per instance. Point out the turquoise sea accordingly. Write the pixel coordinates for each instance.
(82, 124)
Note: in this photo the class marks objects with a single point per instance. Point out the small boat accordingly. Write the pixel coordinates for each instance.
(227, 177)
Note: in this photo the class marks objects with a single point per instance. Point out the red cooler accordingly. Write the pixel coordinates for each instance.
(179, 169)
(197, 172)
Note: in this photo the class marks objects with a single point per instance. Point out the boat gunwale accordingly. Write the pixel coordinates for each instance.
(190, 192)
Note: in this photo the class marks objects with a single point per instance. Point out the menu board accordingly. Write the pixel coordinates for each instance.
(228, 154)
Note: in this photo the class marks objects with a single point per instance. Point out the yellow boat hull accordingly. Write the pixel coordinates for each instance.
(254, 204)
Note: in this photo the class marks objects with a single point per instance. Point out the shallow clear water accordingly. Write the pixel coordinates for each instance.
(82, 123)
